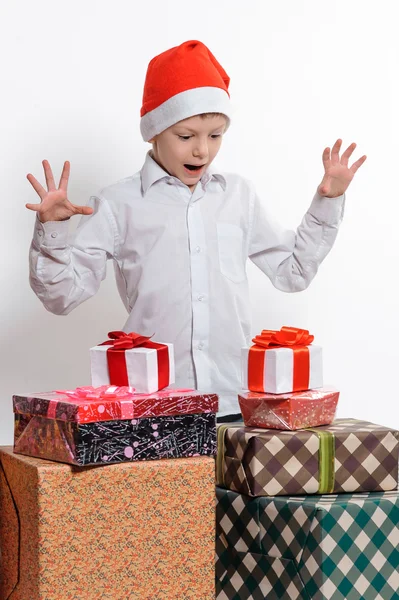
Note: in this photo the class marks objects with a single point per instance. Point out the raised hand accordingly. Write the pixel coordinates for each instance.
(54, 205)
(337, 173)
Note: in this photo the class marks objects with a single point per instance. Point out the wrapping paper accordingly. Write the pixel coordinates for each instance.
(141, 365)
(62, 407)
(334, 547)
(278, 370)
(296, 410)
(115, 533)
(347, 456)
(115, 441)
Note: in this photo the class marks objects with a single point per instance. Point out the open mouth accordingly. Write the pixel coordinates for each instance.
(193, 168)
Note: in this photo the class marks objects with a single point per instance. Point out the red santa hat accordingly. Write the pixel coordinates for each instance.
(180, 83)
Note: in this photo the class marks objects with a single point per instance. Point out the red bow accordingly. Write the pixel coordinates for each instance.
(124, 341)
(287, 336)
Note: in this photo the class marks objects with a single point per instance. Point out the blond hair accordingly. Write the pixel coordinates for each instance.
(212, 114)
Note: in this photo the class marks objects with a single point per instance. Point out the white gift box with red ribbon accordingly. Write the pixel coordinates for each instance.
(282, 361)
(278, 373)
(141, 367)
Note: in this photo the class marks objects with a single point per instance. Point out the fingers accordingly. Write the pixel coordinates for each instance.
(347, 154)
(36, 185)
(335, 152)
(358, 164)
(335, 159)
(326, 157)
(49, 176)
(49, 179)
(65, 176)
(33, 206)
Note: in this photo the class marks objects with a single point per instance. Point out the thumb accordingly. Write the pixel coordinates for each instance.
(323, 190)
(33, 206)
(324, 187)
(83, 210)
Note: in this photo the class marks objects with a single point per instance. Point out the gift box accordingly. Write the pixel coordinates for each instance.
(115, 441)
(74, 426)
(333, 547)
(139, 531)
(110, 403)
(347, 456)
(295, 410)
(130, 359)
(282, 361)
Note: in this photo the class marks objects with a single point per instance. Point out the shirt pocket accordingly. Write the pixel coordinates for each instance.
(231, 254)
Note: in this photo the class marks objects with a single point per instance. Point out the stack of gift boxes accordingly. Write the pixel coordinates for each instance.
(136, 527)
(307, 506)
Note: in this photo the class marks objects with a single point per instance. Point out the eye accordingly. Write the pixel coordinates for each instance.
(215, 136)
(184, 137)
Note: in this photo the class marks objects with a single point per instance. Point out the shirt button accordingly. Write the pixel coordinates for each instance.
(198, 249)
(39, 232)
(170, 181)
(54, 234)
(201, 297)
(200, 346)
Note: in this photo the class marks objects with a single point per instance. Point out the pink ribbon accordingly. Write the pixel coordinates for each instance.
(103, 392)
(123, 394)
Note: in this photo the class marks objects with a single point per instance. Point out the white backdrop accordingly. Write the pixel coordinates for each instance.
(302, 74)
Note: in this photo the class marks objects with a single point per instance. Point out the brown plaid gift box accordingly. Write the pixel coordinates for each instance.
(347, 456)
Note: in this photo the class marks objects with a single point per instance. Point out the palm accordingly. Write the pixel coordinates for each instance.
(57, 205)
(54, 205)
(337, 173)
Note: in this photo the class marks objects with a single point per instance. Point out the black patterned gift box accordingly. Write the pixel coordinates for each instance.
(328, 547)
(116, 441)
(347, 456)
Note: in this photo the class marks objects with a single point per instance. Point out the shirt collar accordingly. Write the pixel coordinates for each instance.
(151, 172)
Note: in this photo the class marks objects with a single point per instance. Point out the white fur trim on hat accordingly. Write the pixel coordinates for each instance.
(187, 104)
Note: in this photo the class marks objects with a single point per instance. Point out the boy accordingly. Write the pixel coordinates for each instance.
(179, 232)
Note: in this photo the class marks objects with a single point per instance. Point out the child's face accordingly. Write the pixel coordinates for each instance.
(193, 143)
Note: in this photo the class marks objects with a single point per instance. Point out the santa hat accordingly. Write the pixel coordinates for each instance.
(180, 83)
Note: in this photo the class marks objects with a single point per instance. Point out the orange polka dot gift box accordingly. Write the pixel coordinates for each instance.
(112, 424)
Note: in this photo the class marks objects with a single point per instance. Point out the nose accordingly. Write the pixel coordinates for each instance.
(201, 148)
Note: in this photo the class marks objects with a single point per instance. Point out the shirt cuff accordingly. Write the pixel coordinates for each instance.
(51, 233)
(328, 210)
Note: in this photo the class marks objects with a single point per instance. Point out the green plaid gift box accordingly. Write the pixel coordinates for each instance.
(328, 547)
(347, 456)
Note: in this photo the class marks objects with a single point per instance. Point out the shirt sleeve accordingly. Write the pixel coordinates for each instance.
(291, 258)
(63, 274)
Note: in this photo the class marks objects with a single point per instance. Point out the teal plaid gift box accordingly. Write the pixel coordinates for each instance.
(335, 547)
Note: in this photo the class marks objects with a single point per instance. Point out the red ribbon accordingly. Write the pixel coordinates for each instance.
(120, 342)
(287, 337)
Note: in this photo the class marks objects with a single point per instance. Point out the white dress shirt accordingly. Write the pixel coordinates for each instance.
(179, 260)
